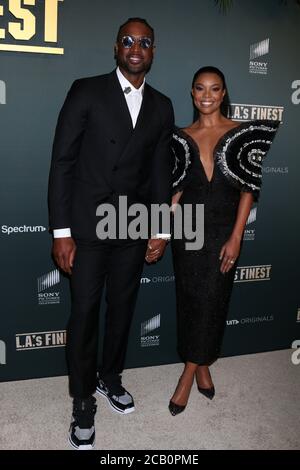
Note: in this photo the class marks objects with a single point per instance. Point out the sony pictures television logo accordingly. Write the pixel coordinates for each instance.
(148, 327)
(41, 340)
(253, 273)
(44, 283)
(258, 50)
(30, 26)
(249, 233)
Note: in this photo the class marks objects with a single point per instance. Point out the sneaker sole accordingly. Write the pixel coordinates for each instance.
(83, 447)
(116, 410)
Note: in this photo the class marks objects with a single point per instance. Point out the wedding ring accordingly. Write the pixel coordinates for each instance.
(232, 261)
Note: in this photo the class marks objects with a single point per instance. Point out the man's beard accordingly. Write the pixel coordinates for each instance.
(144, 67)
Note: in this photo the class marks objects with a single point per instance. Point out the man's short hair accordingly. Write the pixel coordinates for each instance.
(136, 20)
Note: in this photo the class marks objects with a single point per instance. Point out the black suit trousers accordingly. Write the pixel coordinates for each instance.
(118, 265)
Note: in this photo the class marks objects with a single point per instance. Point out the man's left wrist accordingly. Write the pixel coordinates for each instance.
(162, 236)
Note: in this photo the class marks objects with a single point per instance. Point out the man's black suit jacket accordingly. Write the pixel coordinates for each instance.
(97, 155)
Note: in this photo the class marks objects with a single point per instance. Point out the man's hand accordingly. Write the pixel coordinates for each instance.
(155, 249)
(63, 251)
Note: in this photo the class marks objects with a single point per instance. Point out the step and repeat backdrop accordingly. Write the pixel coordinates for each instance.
(44, 46)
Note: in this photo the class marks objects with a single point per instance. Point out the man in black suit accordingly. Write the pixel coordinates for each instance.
(112, 139)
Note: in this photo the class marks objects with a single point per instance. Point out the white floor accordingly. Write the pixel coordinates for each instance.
(256, 407)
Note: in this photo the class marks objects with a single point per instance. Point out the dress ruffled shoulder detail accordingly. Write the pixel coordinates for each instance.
(183, 156)
(240, 152)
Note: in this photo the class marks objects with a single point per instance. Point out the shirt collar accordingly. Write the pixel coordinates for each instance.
(125, 83)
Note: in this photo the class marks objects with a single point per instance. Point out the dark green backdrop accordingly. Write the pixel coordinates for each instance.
(34, 301)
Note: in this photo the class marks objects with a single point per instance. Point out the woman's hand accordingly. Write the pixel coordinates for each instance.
(155, 249)
(229, 253)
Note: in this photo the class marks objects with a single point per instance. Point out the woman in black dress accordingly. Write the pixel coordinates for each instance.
(222, 170)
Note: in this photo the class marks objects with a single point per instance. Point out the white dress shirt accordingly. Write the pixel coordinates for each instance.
(134, 98)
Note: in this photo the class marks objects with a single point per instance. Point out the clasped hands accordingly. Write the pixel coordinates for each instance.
(155, 249)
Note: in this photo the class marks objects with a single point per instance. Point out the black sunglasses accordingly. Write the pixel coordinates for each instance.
(128, 41)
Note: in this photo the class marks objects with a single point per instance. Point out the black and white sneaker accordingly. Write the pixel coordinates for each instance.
(82, 428)
(119, 399)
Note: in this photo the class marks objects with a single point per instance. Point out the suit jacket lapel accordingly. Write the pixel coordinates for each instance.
(118, 112)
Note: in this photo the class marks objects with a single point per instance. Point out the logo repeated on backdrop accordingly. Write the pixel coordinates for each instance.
(40, 340)
(2, 353)
(249, 112)
(46, 282)
(2, 92)
(30, 26)
(9, 230)
(276, 170)
(146, 328)
(253, 273)
(295, 98)
(158, 279)
(260, 49)
(249, 233)
(250, 320)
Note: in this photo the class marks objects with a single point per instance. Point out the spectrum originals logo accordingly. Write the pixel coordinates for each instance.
(10, 230)
(157, 279)
(255, 319)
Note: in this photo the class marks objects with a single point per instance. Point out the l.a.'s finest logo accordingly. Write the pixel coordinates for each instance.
(20, 30)
(146, 328)
(259, 49)
(39, 340)
(2, 352)
(249, 112)
(253, 273)
(46, 282)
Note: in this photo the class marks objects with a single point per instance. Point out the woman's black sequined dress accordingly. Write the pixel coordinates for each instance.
(202, 291)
